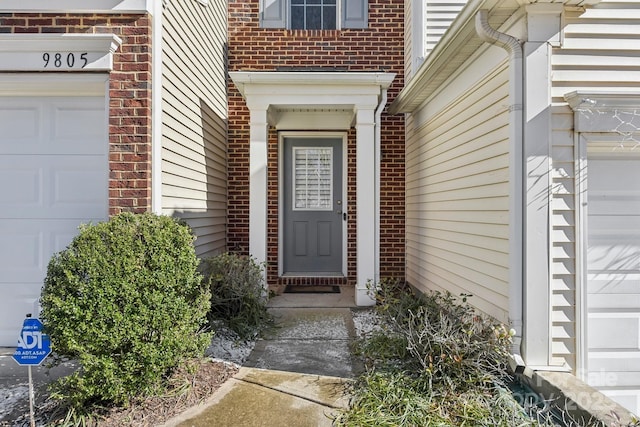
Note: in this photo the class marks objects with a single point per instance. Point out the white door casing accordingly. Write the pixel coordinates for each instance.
(53, 177)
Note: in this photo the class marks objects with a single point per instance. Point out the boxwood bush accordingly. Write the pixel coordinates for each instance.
(126, 301)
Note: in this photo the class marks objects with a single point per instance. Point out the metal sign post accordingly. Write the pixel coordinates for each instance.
(33, 347)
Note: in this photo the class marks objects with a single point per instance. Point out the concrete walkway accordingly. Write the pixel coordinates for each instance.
(296, 376)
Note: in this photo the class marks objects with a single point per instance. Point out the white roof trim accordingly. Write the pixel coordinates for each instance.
(77, 6)
(300, 100)
(605, 112)
(242, 79)
(600, 101)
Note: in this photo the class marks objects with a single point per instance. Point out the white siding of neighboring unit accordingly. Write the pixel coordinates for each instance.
(425, 23)
(457, 196)
(600, 52)
(194, 170)
(438, 16)
(410, 60)
(563, 231)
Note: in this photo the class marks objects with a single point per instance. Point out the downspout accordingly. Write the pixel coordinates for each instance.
(156, 107)
(378, 154)
(516, 96)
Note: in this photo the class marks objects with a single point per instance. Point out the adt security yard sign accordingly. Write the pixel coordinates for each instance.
(33, 345)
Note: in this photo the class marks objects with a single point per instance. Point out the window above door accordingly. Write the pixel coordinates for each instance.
(314, 14)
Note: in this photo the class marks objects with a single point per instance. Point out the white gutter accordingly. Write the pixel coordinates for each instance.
(378, 154)
(156, 108)
(516, 138)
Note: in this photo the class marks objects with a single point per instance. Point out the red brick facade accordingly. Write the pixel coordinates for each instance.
(129, 97)
(378, 48)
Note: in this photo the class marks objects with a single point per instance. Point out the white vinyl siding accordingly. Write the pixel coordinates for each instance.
(411, 62)
(600, 52)
(563, 242)
(457, 196)
(194, 169)
(438, 16)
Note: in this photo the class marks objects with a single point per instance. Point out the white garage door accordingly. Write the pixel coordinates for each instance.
(53, 176)
(613, 277)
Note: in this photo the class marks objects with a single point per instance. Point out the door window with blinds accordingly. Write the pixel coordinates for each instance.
(312, 178)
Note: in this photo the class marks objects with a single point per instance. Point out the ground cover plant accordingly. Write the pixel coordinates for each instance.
(436, 362)
(126, 301)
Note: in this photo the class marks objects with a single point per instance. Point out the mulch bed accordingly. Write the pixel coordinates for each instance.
(189, 386)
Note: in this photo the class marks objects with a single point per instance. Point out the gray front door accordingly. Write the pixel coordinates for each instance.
(313, 206)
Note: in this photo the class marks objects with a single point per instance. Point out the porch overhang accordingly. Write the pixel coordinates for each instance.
(318, 101)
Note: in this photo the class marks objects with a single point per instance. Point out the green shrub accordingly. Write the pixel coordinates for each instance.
(126, 301)
(453, 346)
(435, 361)
(237, 293)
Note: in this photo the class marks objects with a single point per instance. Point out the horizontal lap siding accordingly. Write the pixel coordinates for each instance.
(563, 245)
(438, 17)
(194, 167)
(600, 52)
(457, 197)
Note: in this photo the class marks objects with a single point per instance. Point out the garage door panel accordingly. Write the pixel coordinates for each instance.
(54, 187)
(614, 301)
(55, 125)
(18, 124)
(21, 253)
(628, 398)
(607, 255)
(54, 175)
(78, 125)
(615, 284)
(79, 191)
(614, 332)
(28, 245)
(610, 173)
(613, 278)
(605, 204)
(628, 361)
(13, 313)
(19, 186)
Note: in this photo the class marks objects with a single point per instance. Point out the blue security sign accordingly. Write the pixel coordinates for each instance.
(33, 345)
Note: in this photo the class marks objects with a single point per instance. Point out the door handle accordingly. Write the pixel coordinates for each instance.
(344, 216)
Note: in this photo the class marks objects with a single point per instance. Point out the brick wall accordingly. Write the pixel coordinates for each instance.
(378, 48)
(129, 97)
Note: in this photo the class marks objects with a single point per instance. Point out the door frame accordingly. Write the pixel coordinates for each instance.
(281, 188)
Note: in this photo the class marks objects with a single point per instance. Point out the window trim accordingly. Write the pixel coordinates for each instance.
(353, 14)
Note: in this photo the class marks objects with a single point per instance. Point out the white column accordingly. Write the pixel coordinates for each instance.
(258, 139)
(543, 31)
(365, 204)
